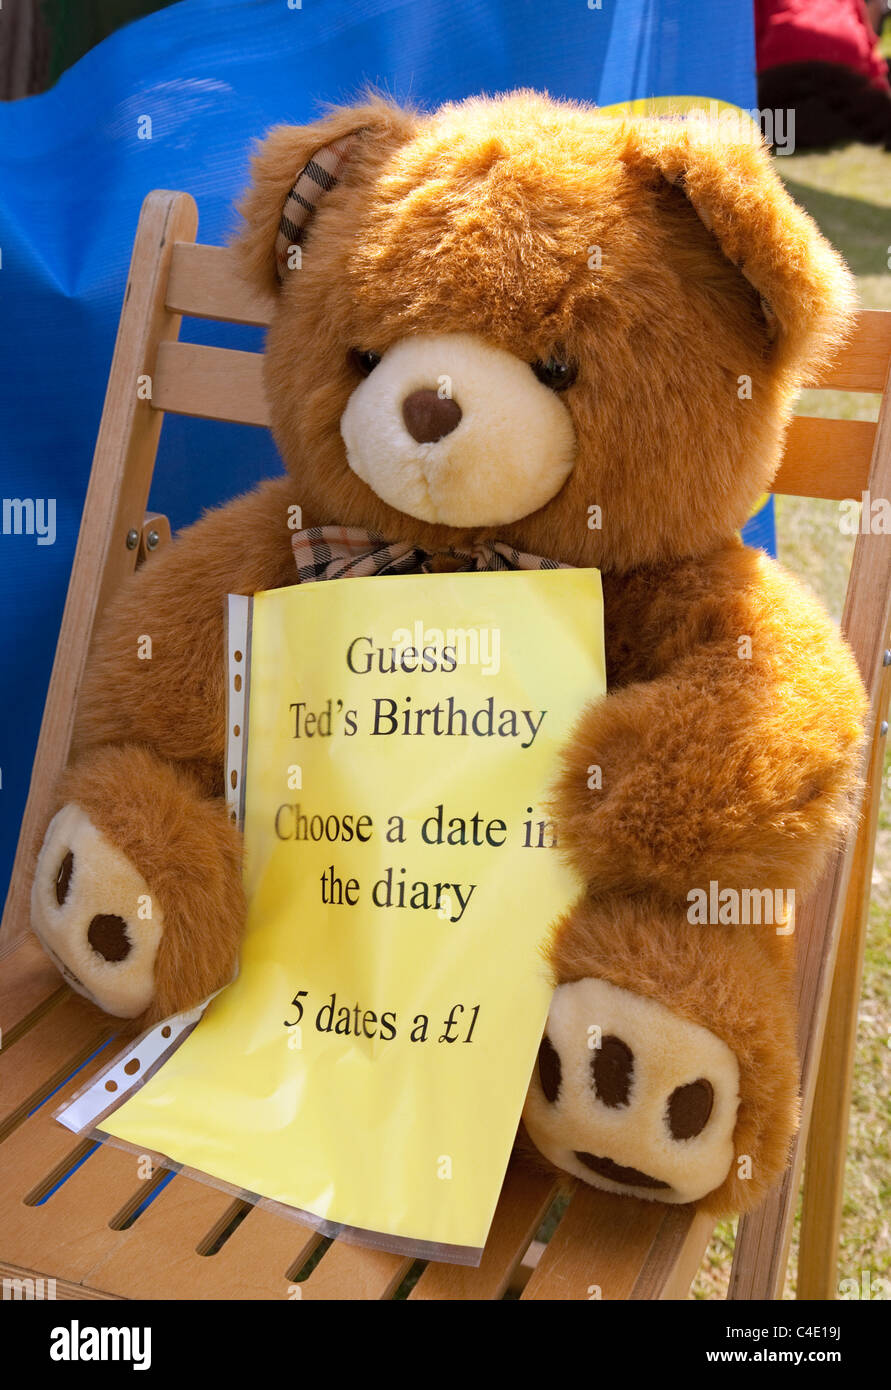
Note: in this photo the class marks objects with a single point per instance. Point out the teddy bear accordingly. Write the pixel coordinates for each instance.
(624, 309)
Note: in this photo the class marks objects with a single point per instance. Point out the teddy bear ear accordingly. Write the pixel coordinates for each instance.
(807, 293)
(296, 168)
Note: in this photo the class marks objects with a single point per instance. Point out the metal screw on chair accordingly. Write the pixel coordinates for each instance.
(883, 728)
(132, 540)
(151, 540)
(886, 658)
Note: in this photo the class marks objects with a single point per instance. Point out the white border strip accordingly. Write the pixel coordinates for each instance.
(238, 637)
(120, 1078)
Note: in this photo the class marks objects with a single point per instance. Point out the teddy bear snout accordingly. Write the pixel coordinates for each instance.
(429, 417)
(451, 429)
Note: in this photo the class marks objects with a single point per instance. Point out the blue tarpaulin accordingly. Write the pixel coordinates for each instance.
(212, 75)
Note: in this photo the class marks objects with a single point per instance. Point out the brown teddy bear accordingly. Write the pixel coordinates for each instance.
(625, 310)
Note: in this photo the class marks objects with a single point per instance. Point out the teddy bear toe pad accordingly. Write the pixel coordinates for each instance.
(631, 1097)
(93, 913)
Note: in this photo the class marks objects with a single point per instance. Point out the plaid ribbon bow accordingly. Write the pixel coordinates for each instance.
(337, 552)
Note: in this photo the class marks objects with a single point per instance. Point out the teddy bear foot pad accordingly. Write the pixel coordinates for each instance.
(94, 915)
(631, 1097)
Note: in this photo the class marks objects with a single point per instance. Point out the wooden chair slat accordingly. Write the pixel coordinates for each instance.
(214, 383)
(71, 1232)
(824, 1171)
(825, 458)
(675, 1255)
(521, 1209)
(59, 1042)
(68, 1033)
(63, 1289)
(36, 1236)
(63, 1236)
(598, 1249)
(822, 458)
(158, 1256)
(762, 1243)
(162, 1244)
(27, 984)
(862, 365)
(258, 1258)
(356, 1272)
(617, 1248)
(205, 284)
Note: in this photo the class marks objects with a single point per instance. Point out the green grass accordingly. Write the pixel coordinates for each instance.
(848, 193)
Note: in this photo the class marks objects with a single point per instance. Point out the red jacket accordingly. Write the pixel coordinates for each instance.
(818, 31)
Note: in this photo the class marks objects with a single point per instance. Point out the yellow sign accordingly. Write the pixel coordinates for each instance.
(369, 1064)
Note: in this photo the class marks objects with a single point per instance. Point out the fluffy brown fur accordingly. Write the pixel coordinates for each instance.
(482, 222)
(715, 764)
(481, 218)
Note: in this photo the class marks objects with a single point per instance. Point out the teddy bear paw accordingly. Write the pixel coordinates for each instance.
(93, 913)
(631, 1097)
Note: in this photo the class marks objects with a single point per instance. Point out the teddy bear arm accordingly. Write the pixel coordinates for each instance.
(735, 761)
(137, 890)
(156, 674)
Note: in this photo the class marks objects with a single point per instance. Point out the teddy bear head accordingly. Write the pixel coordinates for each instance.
(523, 320)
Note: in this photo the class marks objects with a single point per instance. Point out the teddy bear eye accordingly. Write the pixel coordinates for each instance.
(555, 373)
(364, 362)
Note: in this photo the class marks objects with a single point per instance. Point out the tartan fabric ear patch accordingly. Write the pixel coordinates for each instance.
(314, 181)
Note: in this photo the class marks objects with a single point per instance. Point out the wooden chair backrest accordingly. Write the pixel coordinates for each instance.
(822, 458)
(653, 1251)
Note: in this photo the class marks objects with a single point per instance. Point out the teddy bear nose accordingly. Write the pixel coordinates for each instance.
(429, 416)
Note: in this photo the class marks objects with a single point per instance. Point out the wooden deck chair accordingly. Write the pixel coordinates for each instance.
(90, 1225)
